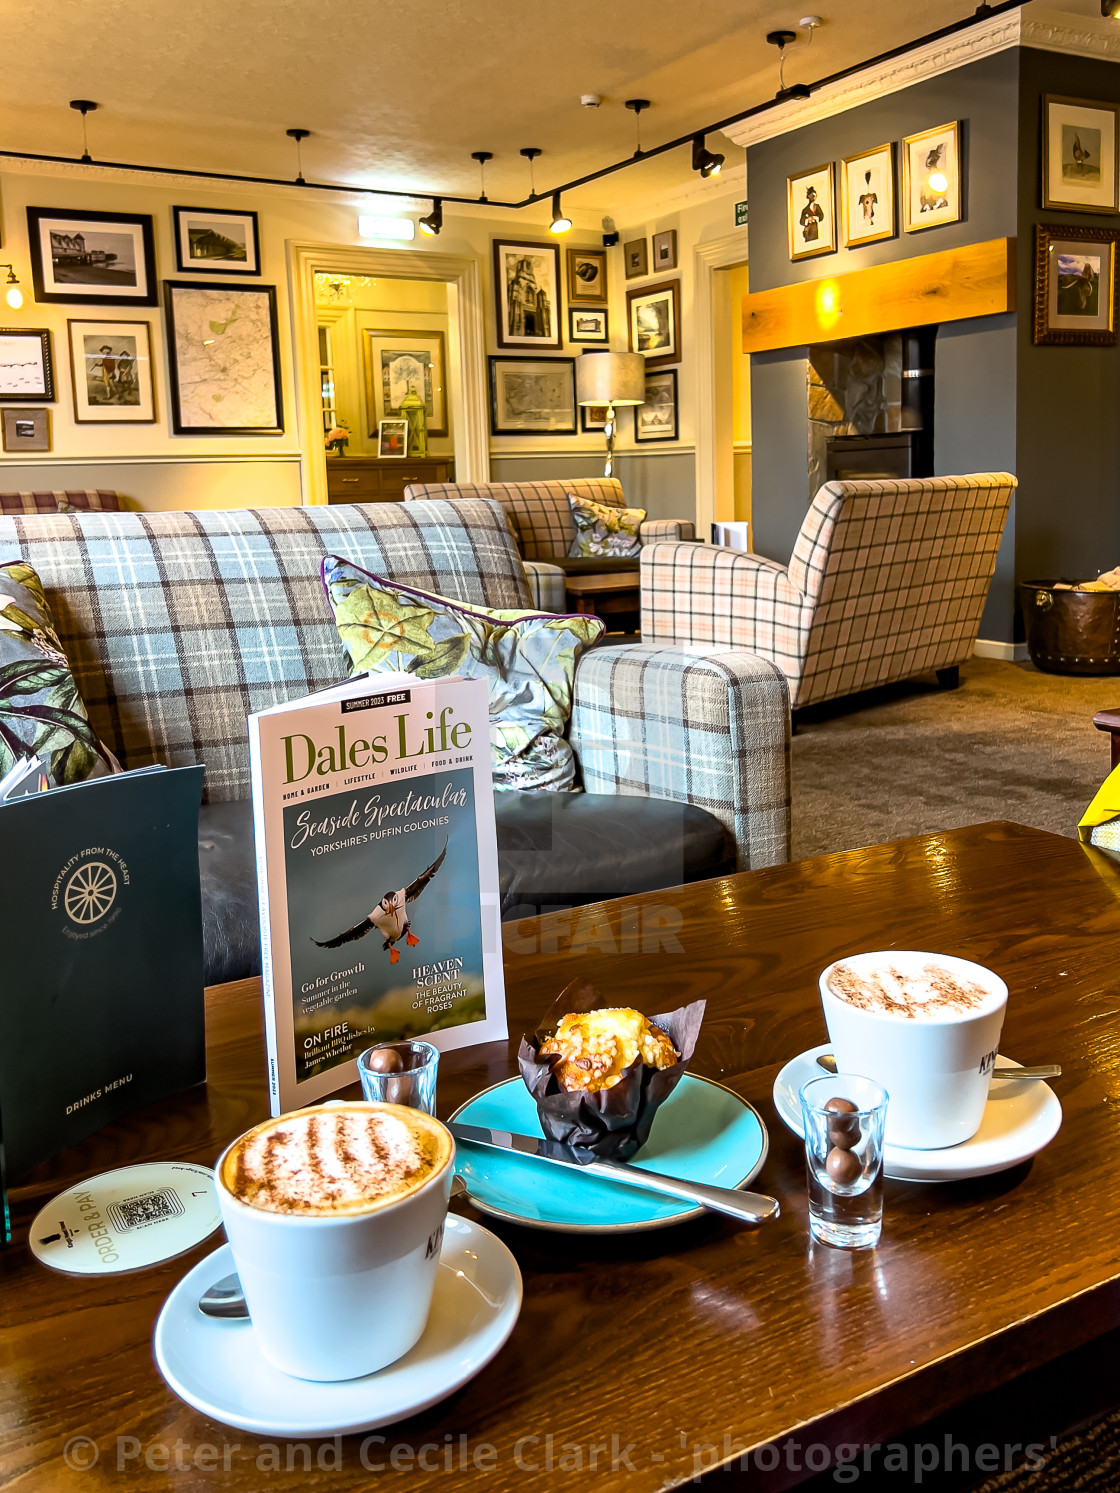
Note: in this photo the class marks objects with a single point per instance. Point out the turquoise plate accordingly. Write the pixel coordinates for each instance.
(703, 1132)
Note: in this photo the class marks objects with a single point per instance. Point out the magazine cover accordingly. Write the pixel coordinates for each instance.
(377, 870)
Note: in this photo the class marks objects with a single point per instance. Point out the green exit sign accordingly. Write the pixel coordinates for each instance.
(740, 214)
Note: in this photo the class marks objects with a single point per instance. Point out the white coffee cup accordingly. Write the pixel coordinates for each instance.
(335, 1297)
(935, 1065)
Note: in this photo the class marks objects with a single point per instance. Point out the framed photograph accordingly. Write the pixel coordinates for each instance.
(80, 256)
(527, 294)
(211, 241)
(587, 277)
(111, 363)
(223, 359)
(654, 319)
(811, 212)
(397, 361)
(665, 251)
(1079, 155)
(533, 396)
(931, 178)
(587, 325)
(635, 256)
(867, 196)
(26, 366)
(656, 420)
(593, 417)
(26, 430)
(392, 437)
(1075, 285)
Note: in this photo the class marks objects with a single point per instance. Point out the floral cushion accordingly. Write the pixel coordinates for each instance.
(528, 659)
(603, 529)
(41, 712)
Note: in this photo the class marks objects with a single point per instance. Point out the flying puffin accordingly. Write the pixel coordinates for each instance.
(390, 916)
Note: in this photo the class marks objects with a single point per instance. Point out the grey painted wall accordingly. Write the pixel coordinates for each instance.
(779, 451)
(664, 485)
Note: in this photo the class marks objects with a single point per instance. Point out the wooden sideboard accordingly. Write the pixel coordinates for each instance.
(382, 479)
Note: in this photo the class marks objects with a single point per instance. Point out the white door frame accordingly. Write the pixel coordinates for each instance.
(715, 460)
(466, 347)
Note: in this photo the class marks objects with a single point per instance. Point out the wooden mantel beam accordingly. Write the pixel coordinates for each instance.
(974, 280)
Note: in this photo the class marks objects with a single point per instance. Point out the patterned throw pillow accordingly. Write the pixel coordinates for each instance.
(528, 659)
(602, 529)
(41, 712)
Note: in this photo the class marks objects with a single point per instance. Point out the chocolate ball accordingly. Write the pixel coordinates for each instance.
(843, 1167)
(843, 1128)
(385, 1060)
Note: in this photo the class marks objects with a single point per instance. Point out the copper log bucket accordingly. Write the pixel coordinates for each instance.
(1071, 632)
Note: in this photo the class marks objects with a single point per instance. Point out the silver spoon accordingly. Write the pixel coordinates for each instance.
(1043, 1070)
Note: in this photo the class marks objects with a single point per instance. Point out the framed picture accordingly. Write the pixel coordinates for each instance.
(593, 417)
(867, 195)
(26, 366)
(1079, 155)
(80, 256)
(665, 251)
(635, 256)
(533, 396)
(223, 359)
(527, 294)
(26, 430)
(587, 325)
(211, 241)
(111, 363)
(811, 212)
(587, 277)
(1075, 285)
(654, 318)
(656, 420)
(392, 437)
(931, 178)
(396, 361)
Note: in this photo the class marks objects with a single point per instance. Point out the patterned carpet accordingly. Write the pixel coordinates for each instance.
(1088, 1462)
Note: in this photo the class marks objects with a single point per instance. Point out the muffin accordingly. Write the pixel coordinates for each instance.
(594, 1047)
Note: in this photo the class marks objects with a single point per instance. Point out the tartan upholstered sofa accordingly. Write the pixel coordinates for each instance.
(178, 625)
(541, 519)
(888, 579)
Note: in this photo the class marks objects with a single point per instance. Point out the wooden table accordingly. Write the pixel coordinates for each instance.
(654, 1348)
(610, 596)
(1109, 720)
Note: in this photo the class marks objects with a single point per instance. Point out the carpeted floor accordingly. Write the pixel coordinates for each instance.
(911, 759)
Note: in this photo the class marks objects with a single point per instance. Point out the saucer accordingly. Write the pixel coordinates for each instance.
(216, 1366)
(703, 1132)
(1019, 1119)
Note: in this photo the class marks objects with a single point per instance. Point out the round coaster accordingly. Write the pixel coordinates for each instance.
(124, 1220)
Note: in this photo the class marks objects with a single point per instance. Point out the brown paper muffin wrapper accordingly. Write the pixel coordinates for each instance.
(615, 1122)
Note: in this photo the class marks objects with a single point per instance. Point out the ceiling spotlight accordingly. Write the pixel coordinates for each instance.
(560, 223)
(14, 295)
(432, 224)
(703, 160)
(1110, 9)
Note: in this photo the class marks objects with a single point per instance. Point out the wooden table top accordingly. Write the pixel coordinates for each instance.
(601, 584)
(641, 1353)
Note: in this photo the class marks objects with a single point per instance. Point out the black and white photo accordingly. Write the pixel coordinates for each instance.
(213, 241)
(26, 429)
(533, 396)
(654, 317)
(587, 277)
(635, 256)
(665, 251)
(656, 420)
(527, 294)
(587, 325)
(85, 256)
(1080, 155)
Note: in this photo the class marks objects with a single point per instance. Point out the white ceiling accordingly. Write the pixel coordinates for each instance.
(399, 95)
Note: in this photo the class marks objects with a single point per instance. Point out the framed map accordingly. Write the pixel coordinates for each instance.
(394, 361)
(224, 360)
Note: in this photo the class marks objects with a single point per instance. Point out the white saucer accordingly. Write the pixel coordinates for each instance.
(216, 1366)
(1020, 1118)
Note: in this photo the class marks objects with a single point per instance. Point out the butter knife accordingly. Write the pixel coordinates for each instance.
(747, 1207)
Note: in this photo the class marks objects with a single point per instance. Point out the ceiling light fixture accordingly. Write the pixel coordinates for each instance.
(636, 105)
(781, 40)
(299, 136)
(14, 295)
(433, 222)
(703, 160)
(482, 156)
(1110, 9)
(531, 152)
(560, 223)
(84, 106)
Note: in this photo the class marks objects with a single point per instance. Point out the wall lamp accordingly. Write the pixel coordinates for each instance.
(704, 161)
(14, 295)
(560, 223)
(432, 224)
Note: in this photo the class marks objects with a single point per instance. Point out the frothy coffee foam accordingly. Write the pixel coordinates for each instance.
(914, 991)
(324, 1162)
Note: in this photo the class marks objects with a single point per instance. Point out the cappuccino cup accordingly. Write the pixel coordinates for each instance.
(335, 1217)
(926, 1028)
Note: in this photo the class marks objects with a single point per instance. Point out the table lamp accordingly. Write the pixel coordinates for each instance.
(611, 379)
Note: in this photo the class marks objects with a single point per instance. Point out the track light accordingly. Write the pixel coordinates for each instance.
(432, 224)
(560, 223)
(1110, 9)
(14, 295)
(703, 160)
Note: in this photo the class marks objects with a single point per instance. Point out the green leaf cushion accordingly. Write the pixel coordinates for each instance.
(603, 529)
(41, 711)
(527, 658)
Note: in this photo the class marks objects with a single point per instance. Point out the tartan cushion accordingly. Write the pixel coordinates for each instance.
(178, 625)
(538, 511)
(90, 499)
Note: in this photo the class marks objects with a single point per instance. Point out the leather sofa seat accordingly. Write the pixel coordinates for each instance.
(555, 850)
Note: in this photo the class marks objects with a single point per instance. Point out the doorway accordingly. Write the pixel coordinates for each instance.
(723, 437)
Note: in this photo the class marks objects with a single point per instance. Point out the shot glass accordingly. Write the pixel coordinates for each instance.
(400, 1073)
(844, 1118)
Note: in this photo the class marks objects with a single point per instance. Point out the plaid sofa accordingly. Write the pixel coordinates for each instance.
(179, 624)
(85, 499)
(888, 579)
(541, 519)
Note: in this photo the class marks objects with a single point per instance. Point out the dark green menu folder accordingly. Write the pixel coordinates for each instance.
(101, 1006)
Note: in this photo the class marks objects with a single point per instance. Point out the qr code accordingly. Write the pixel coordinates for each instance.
(146, 1208)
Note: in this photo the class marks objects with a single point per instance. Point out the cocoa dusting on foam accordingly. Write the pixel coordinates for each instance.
(929, 990)
(331, 1162)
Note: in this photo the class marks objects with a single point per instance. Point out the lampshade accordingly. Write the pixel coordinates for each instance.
(610, 378)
